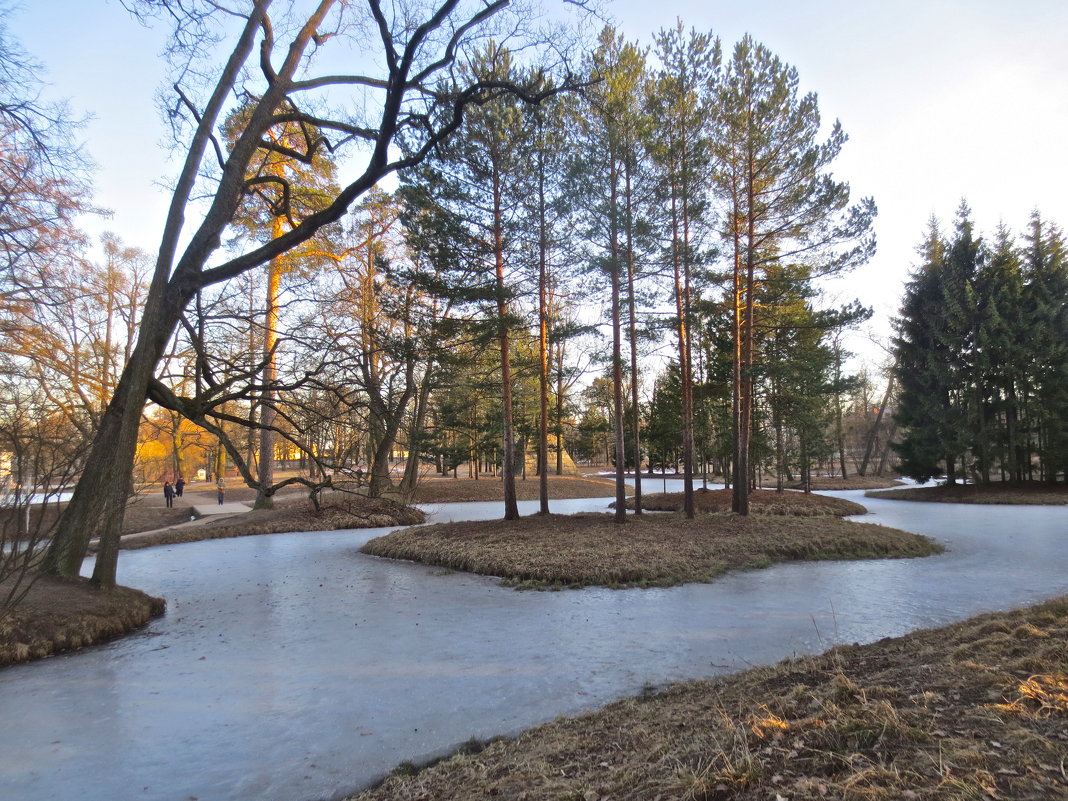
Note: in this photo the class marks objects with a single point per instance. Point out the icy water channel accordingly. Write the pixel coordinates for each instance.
(292, 667)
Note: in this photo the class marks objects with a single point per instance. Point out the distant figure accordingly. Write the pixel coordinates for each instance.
(222, 495)
(179, 485)
(168, 494)
(359, 476)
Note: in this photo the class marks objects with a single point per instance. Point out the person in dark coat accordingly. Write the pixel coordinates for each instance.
(168, 494)
(179, 485)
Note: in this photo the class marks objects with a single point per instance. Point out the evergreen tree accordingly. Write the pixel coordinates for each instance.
(1005, 355)
(780, 204)
(606, 172)
(548, 210)
(981, 348)
(963, 432)
(488, 166)
(921, 367)
(680, 98)
(289, 180)
(1046, 307)
(663, 431)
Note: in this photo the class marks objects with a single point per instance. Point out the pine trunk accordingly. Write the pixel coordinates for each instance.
(511, 506)
(632, 325)
(543, 350)
(617, 351)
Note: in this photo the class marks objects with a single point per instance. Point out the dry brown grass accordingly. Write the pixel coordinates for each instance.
(141, 517)
(488, 488)
(767, 502)
(298, 514)
(64, 614)
(651, 550)
(998, 493)
(823, 483)
(939, 714)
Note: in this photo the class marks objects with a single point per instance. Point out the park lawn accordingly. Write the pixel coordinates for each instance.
(974, 710)
(651, 550)
(1029, 492)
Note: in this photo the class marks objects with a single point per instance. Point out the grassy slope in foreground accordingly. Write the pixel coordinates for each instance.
(975, 710)
(651, 550)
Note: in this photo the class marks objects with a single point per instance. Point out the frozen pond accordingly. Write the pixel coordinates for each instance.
(293, 667)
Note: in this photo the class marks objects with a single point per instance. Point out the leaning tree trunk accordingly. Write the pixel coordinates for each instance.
(411, 465)
(873, 435)
(98, 504)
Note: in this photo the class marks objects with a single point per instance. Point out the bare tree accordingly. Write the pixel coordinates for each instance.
(39, 451)
(43, 184)
(416, 46)
(72, 343)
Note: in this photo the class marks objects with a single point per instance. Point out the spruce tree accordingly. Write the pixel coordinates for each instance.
(921, 366)
(964, 431)
(1046, 305)
(1005, 355)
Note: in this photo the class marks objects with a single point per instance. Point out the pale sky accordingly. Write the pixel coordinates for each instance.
(941, 99)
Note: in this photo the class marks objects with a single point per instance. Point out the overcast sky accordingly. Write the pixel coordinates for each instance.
(941, 99)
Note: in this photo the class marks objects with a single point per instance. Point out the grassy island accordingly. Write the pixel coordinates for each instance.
(650, 550)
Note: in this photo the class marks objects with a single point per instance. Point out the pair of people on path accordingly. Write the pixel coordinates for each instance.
(170, 493)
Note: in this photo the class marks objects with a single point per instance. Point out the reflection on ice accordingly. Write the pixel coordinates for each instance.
(293, 667)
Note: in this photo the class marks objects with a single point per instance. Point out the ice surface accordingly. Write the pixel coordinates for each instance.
(292, 667)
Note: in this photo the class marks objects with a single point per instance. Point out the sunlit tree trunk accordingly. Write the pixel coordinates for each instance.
(264, 495)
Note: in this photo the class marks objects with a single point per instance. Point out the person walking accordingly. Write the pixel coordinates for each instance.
(168, 494)
(222, 495)
(179, 486)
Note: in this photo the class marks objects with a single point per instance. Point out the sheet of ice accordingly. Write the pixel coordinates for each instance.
(293, 667)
